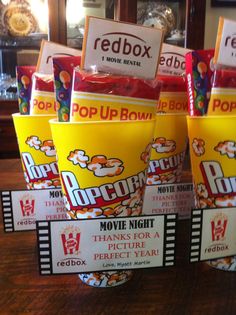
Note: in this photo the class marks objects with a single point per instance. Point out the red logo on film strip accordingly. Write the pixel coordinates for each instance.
(27, 204)
(218, 227)
(70, 238)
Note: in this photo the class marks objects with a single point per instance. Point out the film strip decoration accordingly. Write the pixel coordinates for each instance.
(44, 244)
(52, 259)
(196, 235)
(22, 208)
(169, 240)
(6, 201)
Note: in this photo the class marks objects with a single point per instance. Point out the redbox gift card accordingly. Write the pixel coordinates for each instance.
(121, 48)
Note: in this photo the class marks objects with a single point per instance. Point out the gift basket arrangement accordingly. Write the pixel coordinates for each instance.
(105, 125)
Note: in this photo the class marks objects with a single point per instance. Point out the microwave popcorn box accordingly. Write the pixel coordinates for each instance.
(223, 93)
(105, 96)
(37, 151)
(43, 101)
(173, 95)
(103, 168)
(212, 143)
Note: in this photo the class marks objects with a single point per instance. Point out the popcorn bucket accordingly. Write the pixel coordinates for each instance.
(103, 168)
(168, 149)
(212, 142)
(38, 155)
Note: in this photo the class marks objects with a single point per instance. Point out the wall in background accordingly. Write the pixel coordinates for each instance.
(211, 22)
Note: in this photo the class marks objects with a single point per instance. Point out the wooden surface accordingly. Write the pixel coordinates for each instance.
(195, 289)
(8, 142)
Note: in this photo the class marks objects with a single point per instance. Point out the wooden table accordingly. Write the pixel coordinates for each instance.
(9, 147)
(195, 289)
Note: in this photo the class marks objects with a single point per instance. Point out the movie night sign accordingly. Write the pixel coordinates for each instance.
(106, 244)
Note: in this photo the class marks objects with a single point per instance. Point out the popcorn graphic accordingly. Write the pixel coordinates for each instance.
(153, 180)
(137, 211)
(202, 191)
(206, 203)
(48, 148)
(225, 201)
(198, 146)
(202, 199)
(106, 279)
(78, 157)
(131, 206)
(145, 156)
(71, 214)
(56, 183)
(227, 148)
(89, 213)
(101, 166)
(86, 213)
(177, 173)
(95, 279)
(122, 211)
(134, 199)
(168, 178)
(108, 212)
(33, 142)
(128, 207)
(161, 145)
(43, 184)
(117, 277)
(228, 263)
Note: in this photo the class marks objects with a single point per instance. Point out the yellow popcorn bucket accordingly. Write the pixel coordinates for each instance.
(103, 167)
(212, 142)
(168, 149)
(37, 151)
